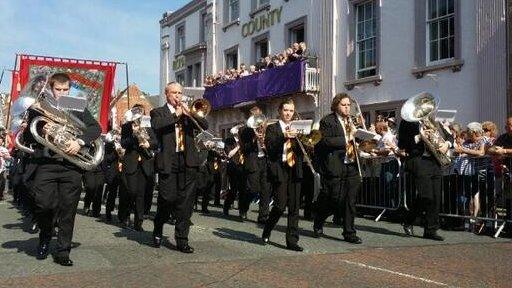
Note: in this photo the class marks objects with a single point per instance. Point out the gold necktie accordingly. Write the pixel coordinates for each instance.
(180, 138)
(290, 156)
(350, 144)
(215, 165)
(241, 158)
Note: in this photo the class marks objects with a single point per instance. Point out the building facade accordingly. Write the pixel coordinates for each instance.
(380, 51)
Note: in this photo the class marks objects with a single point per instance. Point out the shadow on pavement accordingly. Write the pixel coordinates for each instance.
(237, 235)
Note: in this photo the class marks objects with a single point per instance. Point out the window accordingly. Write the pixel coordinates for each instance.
(197, 80)
(261, 48)
(189, 75)
(233, 10)
(297, 34)
(205, 27)
(180, 38)
(232, 58)
(366, 40)
(440, 30)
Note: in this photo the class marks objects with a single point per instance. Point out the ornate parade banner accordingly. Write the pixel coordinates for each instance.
(91, 79)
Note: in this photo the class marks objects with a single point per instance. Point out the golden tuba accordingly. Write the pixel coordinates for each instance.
(422, 108)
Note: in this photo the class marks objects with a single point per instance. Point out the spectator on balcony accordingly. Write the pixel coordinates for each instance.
(268, 62)
(243, 71)
(291, 55)
(252, 69)
(303, 50)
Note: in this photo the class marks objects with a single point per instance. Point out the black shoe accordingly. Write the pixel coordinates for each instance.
(262, 221)
(433, 236)
(125, 224)
(265, 237)
(172, 221)
(205, 211)
(108, 217)
(63, 260)
(87, 211)
(353, 239)
(408, 229)
(294, 247)
(138, 227)
(317, 233)
(42, 251)
(157, 241)
(186, 249)
(243, 216)
(225, 212)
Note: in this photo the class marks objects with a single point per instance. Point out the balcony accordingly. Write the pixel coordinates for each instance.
(292, 78)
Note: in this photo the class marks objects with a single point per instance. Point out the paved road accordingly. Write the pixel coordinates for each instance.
(229, 254)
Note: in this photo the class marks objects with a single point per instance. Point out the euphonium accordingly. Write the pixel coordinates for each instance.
(422, 108)
(61, 126)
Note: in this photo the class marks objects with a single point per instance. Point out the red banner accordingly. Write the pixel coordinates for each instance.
(15, 85)
(92, 78)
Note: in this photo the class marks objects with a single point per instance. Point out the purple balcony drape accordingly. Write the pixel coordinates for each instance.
(278, 81)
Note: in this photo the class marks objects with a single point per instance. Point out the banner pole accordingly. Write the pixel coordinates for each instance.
(127, 85)
(8, 120)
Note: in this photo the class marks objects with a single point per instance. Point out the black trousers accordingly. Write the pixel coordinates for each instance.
(112, 187)
(148, 193)
(2, 184)
(339, 192)
(176, 195)
(124, 199)
(56, 189)
(93, 182)
(238, 186)
(136, 188)
(207, 189)
(427, 177)
(257, 184)
(287, 193)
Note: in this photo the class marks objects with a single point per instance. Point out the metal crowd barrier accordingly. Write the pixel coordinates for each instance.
(386, 187)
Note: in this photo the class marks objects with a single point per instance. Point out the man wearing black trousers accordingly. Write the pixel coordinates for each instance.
(285, 171)
(255, 165)
(177, 164)
(426, 172)
(338, 166)
(111, 169)
(93, 184)
(137, 166)
(56, 182)
(208, 174)
(234, 172)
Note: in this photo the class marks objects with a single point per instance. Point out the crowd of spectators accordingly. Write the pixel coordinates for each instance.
(296, 51)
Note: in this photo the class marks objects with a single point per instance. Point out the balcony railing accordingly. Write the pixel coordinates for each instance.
(294, 77)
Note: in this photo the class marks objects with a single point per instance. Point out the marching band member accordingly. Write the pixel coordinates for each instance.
(177, 164)
(56, 182)
(285, 173)
(111, 166)
(93, 184)
(255, 166)
(338, 167)
(137, 166)
(426, 171)
(234, 171)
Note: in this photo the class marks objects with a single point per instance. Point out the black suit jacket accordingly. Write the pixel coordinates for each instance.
(331, 149)
(249, 147)
(274, 141)
(163, 123)
(91, 132)
(133, 151)
(110, 162)
(406, 133)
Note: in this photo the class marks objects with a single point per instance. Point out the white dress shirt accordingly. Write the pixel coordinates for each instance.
(283, 128)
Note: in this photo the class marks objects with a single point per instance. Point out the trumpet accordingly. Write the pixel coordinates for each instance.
(135, 116)
(258, 122)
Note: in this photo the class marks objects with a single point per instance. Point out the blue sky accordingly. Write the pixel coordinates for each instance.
(111, 30)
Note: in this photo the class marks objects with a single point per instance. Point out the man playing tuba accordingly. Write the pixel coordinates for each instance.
(54, 181)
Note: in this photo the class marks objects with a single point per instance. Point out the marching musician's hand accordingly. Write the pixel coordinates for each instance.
(45, 129)
(444, 147)
(24, 124)
(179, 111)
(290, 134)
(73, 147)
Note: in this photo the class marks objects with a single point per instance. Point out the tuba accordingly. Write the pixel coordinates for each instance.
(422, 108)
(61, 125)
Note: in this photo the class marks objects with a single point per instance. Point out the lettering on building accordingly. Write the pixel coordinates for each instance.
(178, 63)
(262, 22)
